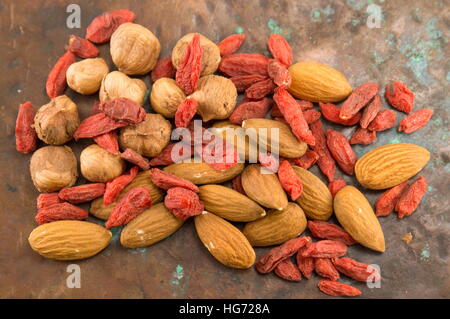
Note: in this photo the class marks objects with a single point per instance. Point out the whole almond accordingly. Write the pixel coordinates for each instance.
(317, 82)
(277, 227)
(356, 216)
(150, 227)
(69, 239)
(389, 165)
(202, 173)
(229, 204)
(224, 241)
(316, 199)
(264, 189)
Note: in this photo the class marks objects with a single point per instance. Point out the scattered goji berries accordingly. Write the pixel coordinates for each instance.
(26, 137)
(385, 204)
(384, 120)
(326, 162)
(287, 270)
(243, 82)
(190, 67)
(370, 112)
(60, 211)
(185, 112)
(96, 125)
(326, 230)
(399, 96)
(307, 160)
(166, 180)
(359, 98)
(279, 74)
(260, 89)
(250, 110)
(82, 48)
(356, 270)
(123, 109)
(363, 136)
(82, 193)
(280, 49)
(102, 27)
(114, 187)
(56, 81)
(325, 268)
(342, 151)
(163, 69)
(305, 264)
(338, 289)
(134, 157)
(331, 113)
(411, 197)
(47, 199)
(415, 121)
(109, 141)
(183, 203)
(289, 180)
(244, 64)
(231, 44)
(325, 249)
(336, 185)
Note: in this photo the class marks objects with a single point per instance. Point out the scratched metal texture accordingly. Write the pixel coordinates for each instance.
(411, 45)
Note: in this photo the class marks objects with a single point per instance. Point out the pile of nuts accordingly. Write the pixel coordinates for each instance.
(275, 194)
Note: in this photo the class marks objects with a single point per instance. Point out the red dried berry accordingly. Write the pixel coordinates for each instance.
(26, 137)
(331, 113)
(311, 116)
(231, 44)
(342, 151)
(324, 268)
(385, 204)
(82, 193)
(219, 154)
(163, 69)
(287, 270)
(236, 184)
(304, 106)
(96, 108)
(289, 180)
(82, 48)
(356, 270)
(325, 249)
(305, 264)
(96, 125)
(172, 153)
(280, 49)
(337, 289)
(415, 121)
(183, 203)
(370, 112)
(269, 161)
(102, 27)
(260, 89)
(411, 197)
(56, 81)
(384, 120)
(47, 199)
(185, 112)
(109, 141)
(326, 230)
(326, 162)
(279, 74)
(123, 109)
(114, 187)
(307, 160)
(244, 64)
(137, 159)
(243, 82)
(190, 67)
(363, 136)
(250, 110)
(399, 96)
(360, 97)
(60, 211)
(166, 181)
(336, 185)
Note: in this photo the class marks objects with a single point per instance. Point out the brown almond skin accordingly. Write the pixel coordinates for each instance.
(229, 204)
(316, 199)
(356, 216)
(277, 227)
(224, 241)
(265, 189)
(150, 227)
(69, 239)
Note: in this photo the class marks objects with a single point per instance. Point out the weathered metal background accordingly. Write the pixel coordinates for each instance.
(411, 45)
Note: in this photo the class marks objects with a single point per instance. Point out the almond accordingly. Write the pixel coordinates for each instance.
(277, 227)
(389, 165)
(236, 137)
(69, 239)
(202, 173)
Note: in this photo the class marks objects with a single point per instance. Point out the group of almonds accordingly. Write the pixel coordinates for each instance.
(274, 197)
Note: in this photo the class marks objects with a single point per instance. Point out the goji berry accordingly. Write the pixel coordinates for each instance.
(370, 111)
(132, 204)
(56, 81)
(250, 110)
(307, 160)
(279, 74)
(243, 82)
(82, 48)
(326, 162)
(96, 108)
(384, 120)
(219, 154)
(109, 141)
(337, 289)
(123, 109)
(236, 184)
(82, 193)
(114, 187)
(411, 197)
(244, 64)
(336, 185)
(399, 96)
(231, 44)
(331, 113)
(289, 180)
(134, 157)
(96, 125)
(356, 270)
(47, 199)
(166, 180)
(60, 211)
(269, 161)
(102, 27)
(326, 230)
(167, 158)
(163, 69)
(324, 268)
(273, 257)
(305, 264)
(304, 105)
(190, 67)
(280, 49)
(360, 97)
(293, 115)
(385, 204)
(363, 136)
(415, 121)
(342, 151)
(311, 116)
(325, 249)
(26, 137)
(287, 270)
(185, 112)
(183, 203)
(260, 89)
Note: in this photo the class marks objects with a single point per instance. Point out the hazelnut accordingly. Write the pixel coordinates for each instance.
(99, 165)
(210, 58)
(85, 77)
(134, 49)
(53, 168)
(56, 121)
(148, 138)
(117, 84)
(166, 96)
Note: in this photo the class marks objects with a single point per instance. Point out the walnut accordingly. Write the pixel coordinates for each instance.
(117, 84)
(53, 168)
(56, 121)
(85, 77)
(99, 165)
(134, 49)
(166, 96)
(147, 138)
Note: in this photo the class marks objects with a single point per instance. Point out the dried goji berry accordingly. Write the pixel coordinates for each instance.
(324, 268)
(123, 109)
(384, 120)
(305, 264)
(289, 180)
(26, 137)
(132, 204)
(399, 96)
(307, 160)
(163, 69)
(326, 162)
(415, 121)
(114, 187)
(356, 270)
(166, 180)
(325, 249)
(363, 136)
(96, 108)
(411, 197)
(243, 82)
(304, 105)
(360, 97)
(220, 154)
(280, 49)
(244, 64)
(338, 289)
(96, 125)
(60, 211)
(82, 48)
(273, 257)
(326, 230)
(279, 74)
(134, 157)
(185, 112)
(56, 81)
(166, 157)
(103, 26)
(311, 116)
(293, 115)
(385, 204)
(342, 151)
(287, 270)
(236, 184)
(231, 44)
(47, 199)
(260, 89)
(370, 111)
(336, 185)
(190, 67)
(183, 203)
(109, 141)
(269, 161)
(250, 110)
(82, 193)
(331, 113)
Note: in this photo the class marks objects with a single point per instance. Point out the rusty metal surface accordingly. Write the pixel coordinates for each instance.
(411, 45)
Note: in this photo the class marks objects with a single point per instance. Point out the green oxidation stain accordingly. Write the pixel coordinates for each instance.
(415, 14)
(11, 188)
(355, 22)
(356, 4)
(177, 275)
(239, 30)
(430, 188)
(371, 1)
(378, 59)
(437, 121)
(436, 35)
(273, 26)
(115, 231)
(416, 52)
(328, 11)
(315, 15)
(394, 141)
(147, 94)
(390, 39)
(425, 253)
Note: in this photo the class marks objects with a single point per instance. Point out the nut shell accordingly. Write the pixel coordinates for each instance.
(166, 96)
(85, 77)
(117, 84)
(100, 166)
